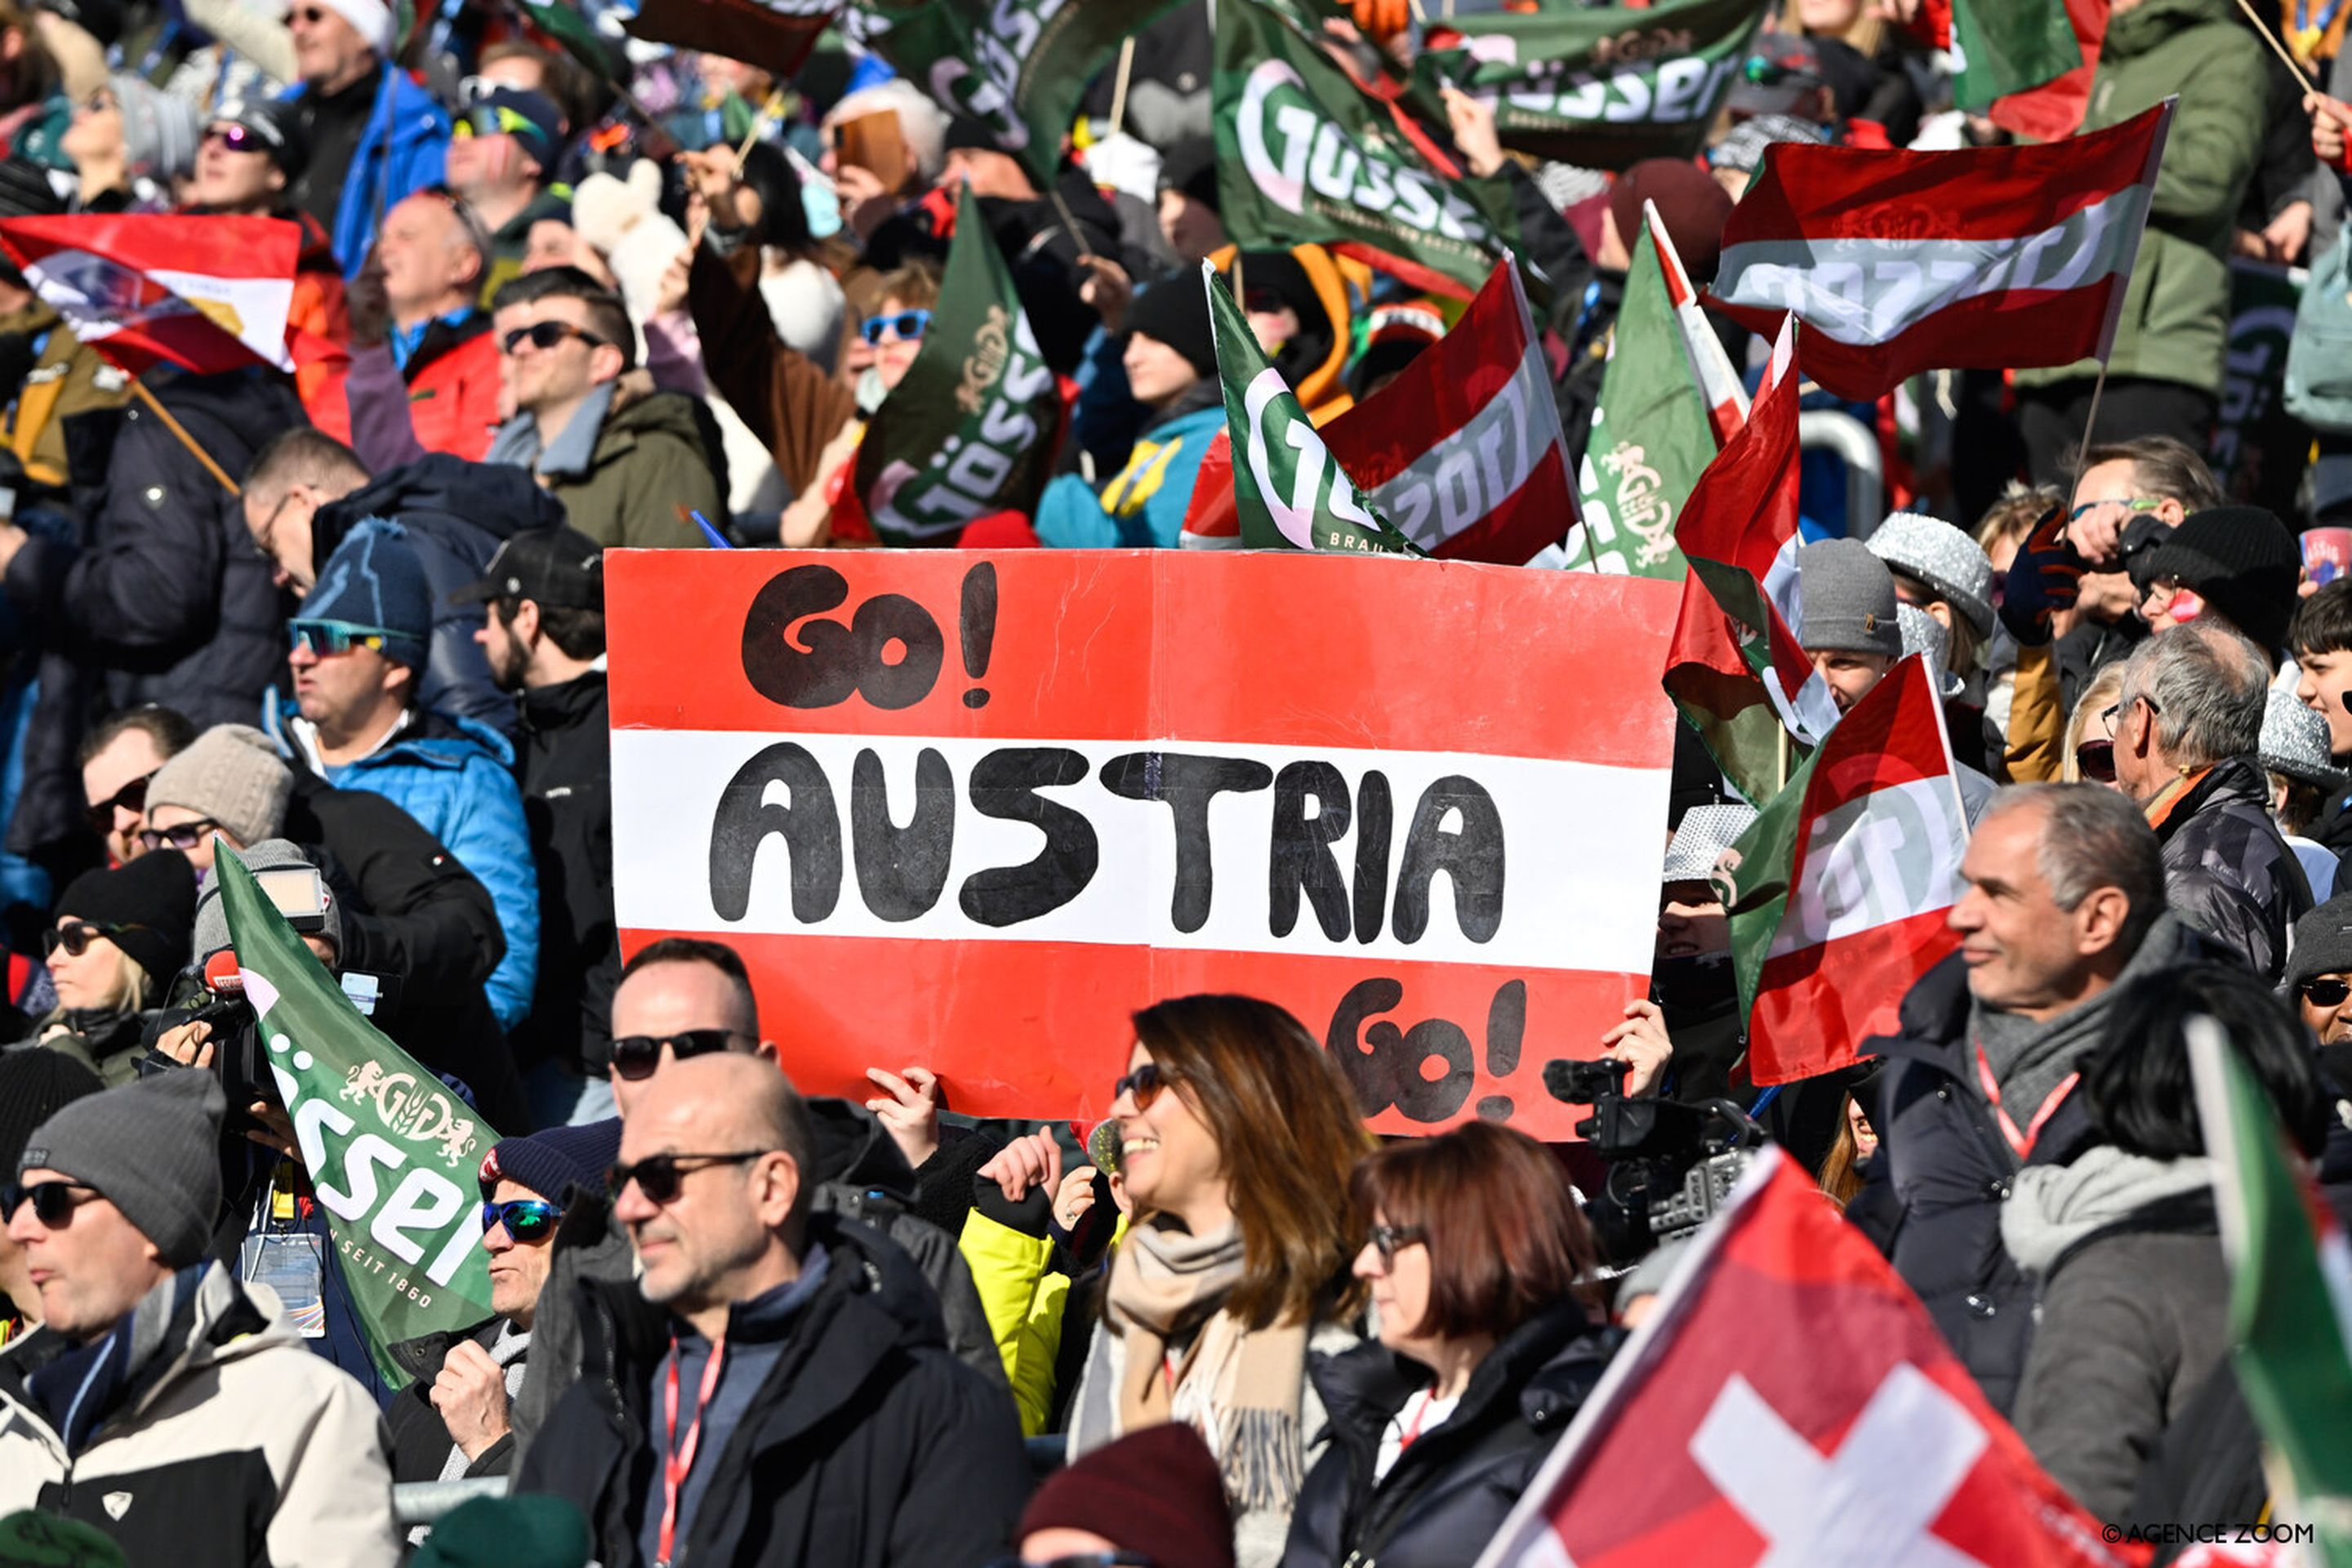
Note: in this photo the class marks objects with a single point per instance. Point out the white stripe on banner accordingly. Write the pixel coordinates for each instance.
(1563, 870)
(1463, 478)
(1880, 858)
(1871, 290)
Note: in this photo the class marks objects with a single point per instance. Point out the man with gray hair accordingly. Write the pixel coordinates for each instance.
(2064, 904)
(2189, 730)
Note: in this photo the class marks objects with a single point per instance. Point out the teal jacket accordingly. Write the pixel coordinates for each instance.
(1145, 503)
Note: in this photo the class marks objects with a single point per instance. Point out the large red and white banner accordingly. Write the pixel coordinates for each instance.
(1900, 262)
(975, 809)
(1462, 451)
(207, 293)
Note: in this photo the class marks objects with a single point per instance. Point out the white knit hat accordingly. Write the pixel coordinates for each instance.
(371, 19)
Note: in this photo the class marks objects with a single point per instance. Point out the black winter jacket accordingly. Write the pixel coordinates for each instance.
(455, 513)
(1449, 1492)
(415, 1431)
(566, 768)
(2228, 873)
(868, 1446)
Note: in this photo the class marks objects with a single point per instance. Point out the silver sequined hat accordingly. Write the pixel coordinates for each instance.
(1706, 831)
(1923, 635)
(1941, 556)
(2294, 743)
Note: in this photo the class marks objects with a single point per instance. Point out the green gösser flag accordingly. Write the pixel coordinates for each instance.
(1304, 156)
(1602, 88)
(391, 1152)
(1020, 66)
(1289, 491)
(2008, 45)
(1650, 440)
(969, 430)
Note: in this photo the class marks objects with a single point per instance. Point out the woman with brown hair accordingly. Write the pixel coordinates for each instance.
(1489, 1345)
(1237, 1135)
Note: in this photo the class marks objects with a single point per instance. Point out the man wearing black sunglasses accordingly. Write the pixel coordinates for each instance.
(2319, 977)
(118, 760)
(785, 1365)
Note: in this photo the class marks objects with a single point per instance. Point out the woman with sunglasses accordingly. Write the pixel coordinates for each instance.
(1237, 1134)
(452, 1423)
(2089, 748)
(119, 939)
(1476, 1256)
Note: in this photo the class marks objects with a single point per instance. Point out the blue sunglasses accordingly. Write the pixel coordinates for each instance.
(332, 637)
(908, 324)
(526, 1219)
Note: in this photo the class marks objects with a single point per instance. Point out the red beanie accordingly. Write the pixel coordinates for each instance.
(1690, 203)
(1157, 1491)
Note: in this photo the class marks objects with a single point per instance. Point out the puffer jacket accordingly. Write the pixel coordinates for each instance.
(402, 151)
(453, 380)
(418, 1435)
(2227, 871)
(232, 1446)
(566, 741)
(1457, 1482)
(2174, 320)
(1145, 502)
(652, 456)
(456, 513)
(455, 778)
(868, 1446)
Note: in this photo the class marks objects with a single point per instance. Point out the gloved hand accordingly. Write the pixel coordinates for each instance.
(2043, 579)
(1381, 20)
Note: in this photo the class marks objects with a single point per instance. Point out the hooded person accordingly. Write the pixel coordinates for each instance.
(1302, 304)
(161, 1401)
(121, 938)
(1170, 360)
(2239, 563)
(34, 1085)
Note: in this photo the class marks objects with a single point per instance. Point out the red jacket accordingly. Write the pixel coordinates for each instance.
(453, 387)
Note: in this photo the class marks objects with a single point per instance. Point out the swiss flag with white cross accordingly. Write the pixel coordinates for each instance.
(1790, 1404)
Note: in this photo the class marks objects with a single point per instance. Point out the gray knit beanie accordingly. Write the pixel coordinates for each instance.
(2323, 942)
(233, 774)
(152, 1147)
(270, 855)
(159, 130)
(1846, 596)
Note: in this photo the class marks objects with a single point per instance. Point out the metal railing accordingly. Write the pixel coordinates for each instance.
(1836, 431)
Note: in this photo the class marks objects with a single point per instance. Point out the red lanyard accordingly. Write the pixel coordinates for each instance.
(677, 1460)
(1406, 1440)
(2022, 1142)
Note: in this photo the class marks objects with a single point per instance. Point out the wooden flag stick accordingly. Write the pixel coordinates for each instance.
(2090, 426)
(139, 390)
(1119, 88)
(2276, 48)
(774, 106)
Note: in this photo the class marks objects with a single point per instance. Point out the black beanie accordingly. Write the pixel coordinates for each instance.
(2242, 561)
(155, 895)
(36, 1083)
(1175, 311)
(1190, 166)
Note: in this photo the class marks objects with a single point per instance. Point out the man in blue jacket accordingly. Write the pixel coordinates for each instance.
(375, 136)
(359, 645)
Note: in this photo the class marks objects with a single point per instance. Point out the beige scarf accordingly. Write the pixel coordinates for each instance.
(1238, 1387)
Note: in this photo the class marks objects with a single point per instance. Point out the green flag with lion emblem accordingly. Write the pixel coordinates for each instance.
(391, 1151)
(1288, 489)
(971, 429)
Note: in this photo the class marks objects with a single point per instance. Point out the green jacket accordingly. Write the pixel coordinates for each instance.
(2175, 321)
(649, 461)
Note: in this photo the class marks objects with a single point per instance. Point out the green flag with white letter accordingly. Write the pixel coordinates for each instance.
(1288, 489)
(391, 1152)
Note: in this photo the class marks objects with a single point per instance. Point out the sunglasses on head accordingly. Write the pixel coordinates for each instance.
(183, 837)
(661, 1177)
(323, 637)
(131, 797)
(634, 1057)
(53, 1202)
(1143, 1085)
(909, 325)
(2096, 760)
(546, 335)
(75, 937)
(2324, 992)
(526, 1219)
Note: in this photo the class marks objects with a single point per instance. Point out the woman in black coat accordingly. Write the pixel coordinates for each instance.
(1488, 1348)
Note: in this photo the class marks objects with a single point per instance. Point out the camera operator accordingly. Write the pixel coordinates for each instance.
(119, 939)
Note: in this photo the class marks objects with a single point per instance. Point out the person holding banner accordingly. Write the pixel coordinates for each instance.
(1238, 1136)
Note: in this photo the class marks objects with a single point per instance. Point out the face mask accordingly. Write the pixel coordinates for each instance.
(824, 210)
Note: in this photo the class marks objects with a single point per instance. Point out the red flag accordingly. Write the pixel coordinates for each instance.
(204, 292)
(2052, 111)
(1899, 262)
(1718, 383)
(1462, 451)
(1790, 1403)
(774, 35)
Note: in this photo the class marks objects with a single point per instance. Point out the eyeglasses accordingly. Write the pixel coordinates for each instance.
(99, 102)
(547, 335)
(53, 1202)
(183, 836)
(2326, 991)
(634, 1057)
(76, 936)
(909, 325)
(1388, 1239)
(132, 796)
(2095, 760)
(235, 137)
(662, 1176)
(526, 1219)
(1144, 1084)
(2111, 717)
(325, 638)
(2132, 503)
(311, 15)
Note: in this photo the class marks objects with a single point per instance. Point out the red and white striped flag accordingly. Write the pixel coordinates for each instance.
(1718, 383)
(1462, 451)
(207, 293)
(1991, 258)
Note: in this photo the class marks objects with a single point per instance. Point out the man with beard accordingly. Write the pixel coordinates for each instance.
(545, 640)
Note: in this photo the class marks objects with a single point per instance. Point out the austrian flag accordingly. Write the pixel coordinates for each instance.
(1901, 262)
(207, 293)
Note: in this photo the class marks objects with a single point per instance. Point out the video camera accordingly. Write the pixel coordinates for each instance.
(212, 992)
(1670, 1167)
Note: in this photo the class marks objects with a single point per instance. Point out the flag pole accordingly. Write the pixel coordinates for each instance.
(1782, 749)
(759, 124)
(2276, 48)
(1119, 88)
(2090, 426)
(139, 390)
